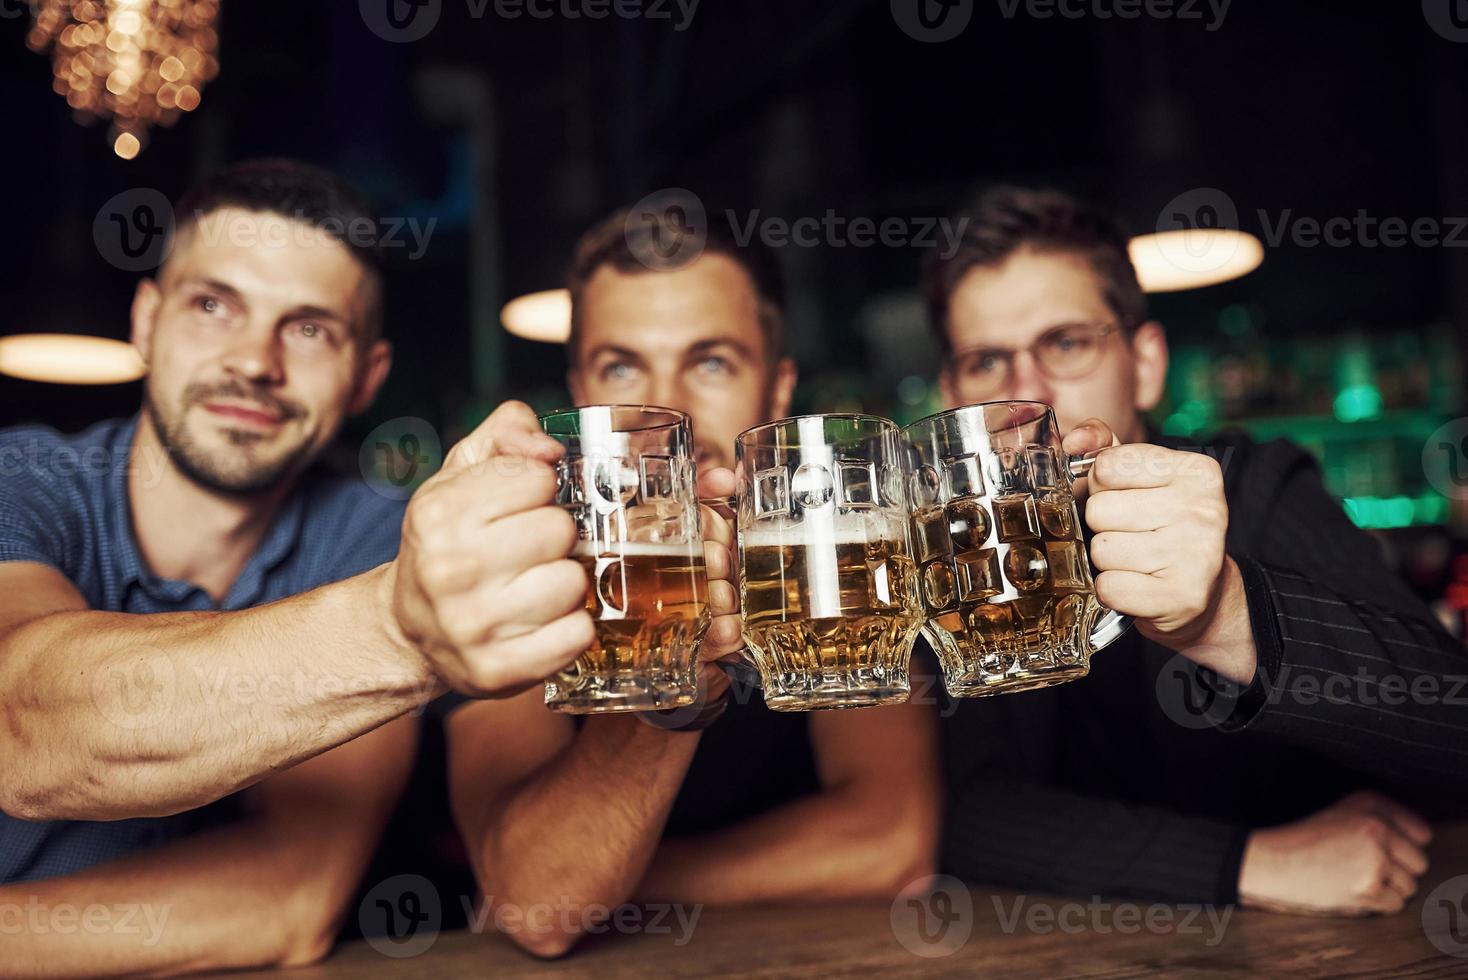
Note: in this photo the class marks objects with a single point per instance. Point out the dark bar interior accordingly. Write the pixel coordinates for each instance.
(455, 455)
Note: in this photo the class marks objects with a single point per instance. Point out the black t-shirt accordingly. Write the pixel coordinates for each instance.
(751, 760)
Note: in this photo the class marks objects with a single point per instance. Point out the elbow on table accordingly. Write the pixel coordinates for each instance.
(904, 869)
(306, 947)
(549, 944)
(908, 856)
(543, 921)
(543, 931)
(543, 928)
(22, 795)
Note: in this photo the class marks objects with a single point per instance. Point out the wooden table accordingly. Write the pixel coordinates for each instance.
(1008, 934)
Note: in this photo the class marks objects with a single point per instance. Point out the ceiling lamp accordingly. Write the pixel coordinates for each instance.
(138, 63)
(70, 359)
(543, 316)
(1190, 258)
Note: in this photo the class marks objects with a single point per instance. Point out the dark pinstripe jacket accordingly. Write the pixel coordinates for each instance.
(1145, 778)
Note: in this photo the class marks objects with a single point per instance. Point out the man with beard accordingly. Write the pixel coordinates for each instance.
(189, 608)
(740, 804)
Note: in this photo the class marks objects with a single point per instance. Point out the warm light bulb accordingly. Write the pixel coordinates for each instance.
(126, 145)
(543, 316)
(69, 359)
(1191, 258)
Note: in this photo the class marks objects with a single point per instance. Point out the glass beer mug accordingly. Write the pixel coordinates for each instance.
(1005, 578)
(627, 478)
(826, 581)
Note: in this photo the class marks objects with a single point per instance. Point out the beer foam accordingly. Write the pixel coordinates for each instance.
(635, 549)
(836, 534)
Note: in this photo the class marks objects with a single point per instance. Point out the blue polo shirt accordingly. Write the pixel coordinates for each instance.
(64, 503)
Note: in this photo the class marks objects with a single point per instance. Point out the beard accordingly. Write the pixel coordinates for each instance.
(251, 465)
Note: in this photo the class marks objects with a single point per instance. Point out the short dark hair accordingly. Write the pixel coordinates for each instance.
(300, 192)
(633, 246)
(1006, 220)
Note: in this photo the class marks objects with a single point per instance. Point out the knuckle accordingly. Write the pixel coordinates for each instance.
(460, 632)
(1371, 828)
(427, 511)
(486, 675)
(439, 575)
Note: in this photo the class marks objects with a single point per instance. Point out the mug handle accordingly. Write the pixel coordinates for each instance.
(1112, 625)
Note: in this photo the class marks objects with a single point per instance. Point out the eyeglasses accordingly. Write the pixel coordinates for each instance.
(1062, 353)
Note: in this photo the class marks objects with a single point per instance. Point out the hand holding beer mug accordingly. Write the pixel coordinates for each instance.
(826, 581)
(627, 478)
(1006, 581)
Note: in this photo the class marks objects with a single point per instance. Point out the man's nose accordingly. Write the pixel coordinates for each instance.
(256, 356)
(669, 392)
(1028, 382)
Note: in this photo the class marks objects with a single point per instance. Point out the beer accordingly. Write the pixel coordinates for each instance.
(1012, 610)
(830, 616)
(650, 605)
(1005, 578)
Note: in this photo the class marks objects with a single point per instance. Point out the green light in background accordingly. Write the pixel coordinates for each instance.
(1381, 513)
(1190, 417)
(1358, 402)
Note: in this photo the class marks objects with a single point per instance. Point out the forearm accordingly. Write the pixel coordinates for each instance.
(583, 829)
(111, 715)
(845, 842)
(1037, 838)
(1375, 685)
(241, 896)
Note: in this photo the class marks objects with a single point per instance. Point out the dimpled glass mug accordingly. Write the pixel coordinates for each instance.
(1005, 578)
(826, 581)
(627, 478)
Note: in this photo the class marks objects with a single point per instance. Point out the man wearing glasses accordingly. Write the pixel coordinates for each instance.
(1216, 754)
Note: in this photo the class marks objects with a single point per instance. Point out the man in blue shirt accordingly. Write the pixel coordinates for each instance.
(189, 608)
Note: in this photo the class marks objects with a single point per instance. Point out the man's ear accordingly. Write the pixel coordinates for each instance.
(1149, 362)
(146, 300)
(377, 362)
(783, 390)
